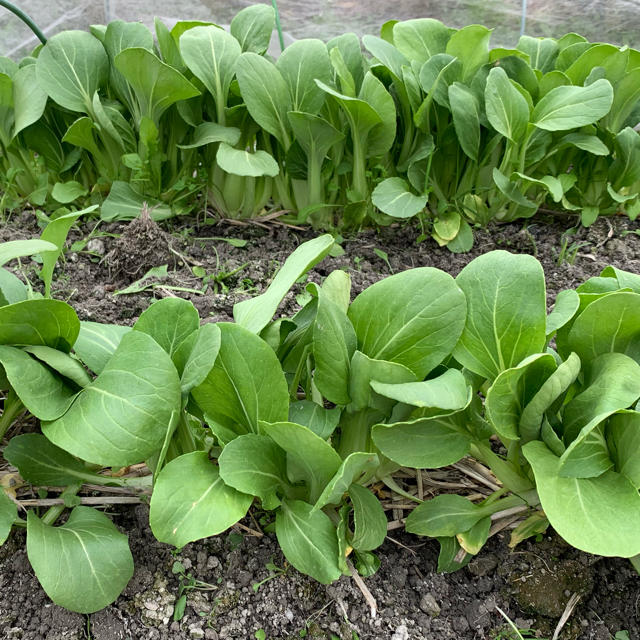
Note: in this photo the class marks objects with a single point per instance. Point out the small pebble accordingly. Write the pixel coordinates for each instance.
(429, 605)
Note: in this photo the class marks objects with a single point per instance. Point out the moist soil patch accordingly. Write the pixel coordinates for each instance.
(241, 592)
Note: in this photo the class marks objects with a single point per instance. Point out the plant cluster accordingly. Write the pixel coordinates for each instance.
(306, 415)
(431, 123)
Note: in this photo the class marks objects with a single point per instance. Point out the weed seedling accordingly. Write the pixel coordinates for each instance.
(274, 571)
(384, 256)
(187, 583)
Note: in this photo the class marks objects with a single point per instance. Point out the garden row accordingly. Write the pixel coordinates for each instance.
(305, 415)
(430, 123)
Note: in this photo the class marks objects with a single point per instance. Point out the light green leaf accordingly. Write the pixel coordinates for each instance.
(309, 457)
(421, 38)
(124, 203)
(606, 325)
(320, 420)
(473, 540)
(211, 54)
(8, 515)
(395, 324)
(567, 303)
(428, 443)
(245, 385)
(566, 108)
(507, 110)
(210, 132)
(512, 391)
(444, 515)
(369, 520)
(253, 26)
(190, 501)
(350, 471)
(71, 67)
(65, 364)
(254, 314)
(256, 465)
(506, 312)
(42, 463)
(471, 46)
(266, 95)
(196, 355)
(22, 248)
(542, 52)
(394, 197)
(169, 321)
(88, 550)
(243, 163)
(623, 438)
(308, 540)
(448, 391)
(300, 64)
(29, 98)
(466, 118)
(122, 417)
(387, 54)
(156, 85)
(597, 515)
(97, 342)
(52, 323)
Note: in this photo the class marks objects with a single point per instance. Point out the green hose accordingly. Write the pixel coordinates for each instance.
(25, 18)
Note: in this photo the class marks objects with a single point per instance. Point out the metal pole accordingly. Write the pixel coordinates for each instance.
(523, 20)
(25, 18)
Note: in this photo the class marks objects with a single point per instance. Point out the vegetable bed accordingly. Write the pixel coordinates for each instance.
(220, 577)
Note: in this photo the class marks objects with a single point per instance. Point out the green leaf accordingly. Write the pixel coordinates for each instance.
(351, 470)
(444, 515)
(22, 248)
(511, 190)
(585, 142)
(190, 501)
(428, 443)
(66, 192)
(156, 85)
(124, 203)
(623, 438)
(254, 314)
(471, 46)
(245, 385)
(597, 515)
(566, 108)
(243, 163)
(309, 457)
(12, 289)
(507, 110)
(513, 389)
(266, 95)
(308, 540)
(466, 113)
(42, 463)
(567, 303)
(506, 312)
(253, 26)
(211, 54)
(210, 132)
(320, 420)
(448, 391)
(542, 52)
(387, 54)
(394, 324)
(369, 520)
(588, 455)
(300, 64)
(450, 554)
(394, 197)
(169, 321)
(421, 38)
(71, 67)
(29, 98)
(196, 355)
(611, 382)
(314, 134)
(42, 392)
(56, 232)
(606, 325)
(88, 550)
(65, 364)
(122, 417)
(52, 323)
(8, 515)
(256, 465)
(334, 342)
(532, 416)
(97, 342)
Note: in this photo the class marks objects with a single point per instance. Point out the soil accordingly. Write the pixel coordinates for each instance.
(531, 584)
